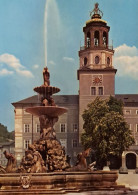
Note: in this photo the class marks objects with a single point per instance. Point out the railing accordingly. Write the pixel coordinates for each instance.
(97, 46)
(82, 48)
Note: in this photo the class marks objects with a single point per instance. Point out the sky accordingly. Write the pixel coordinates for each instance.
(34, 33)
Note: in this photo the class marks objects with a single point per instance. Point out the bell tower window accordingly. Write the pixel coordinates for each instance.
(96, 38)
(97, 60)
(88, 39)
(104, 38)
(108, 61)
(85, 61)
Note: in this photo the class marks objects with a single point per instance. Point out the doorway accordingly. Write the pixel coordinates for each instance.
(131, 161)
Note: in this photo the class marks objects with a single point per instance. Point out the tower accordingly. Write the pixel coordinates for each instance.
(96, 73)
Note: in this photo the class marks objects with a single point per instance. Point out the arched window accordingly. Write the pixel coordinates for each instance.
(96, 38)
(97, 60)
(88, 39)
(104, 38)
(108, 61)
(85, 61)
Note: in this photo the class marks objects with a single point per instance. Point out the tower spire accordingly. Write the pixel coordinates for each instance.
(96, 12)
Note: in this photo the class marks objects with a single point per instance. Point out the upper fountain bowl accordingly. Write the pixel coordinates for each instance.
(46, 90)
(51, 111)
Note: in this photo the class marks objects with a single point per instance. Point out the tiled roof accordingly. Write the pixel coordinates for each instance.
(128, 99)
(59, 99)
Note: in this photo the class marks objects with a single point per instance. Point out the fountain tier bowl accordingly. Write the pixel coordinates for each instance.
(51, 111)
(46, 90)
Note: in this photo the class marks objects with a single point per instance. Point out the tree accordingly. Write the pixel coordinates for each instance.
(105, 129)
(5, 135)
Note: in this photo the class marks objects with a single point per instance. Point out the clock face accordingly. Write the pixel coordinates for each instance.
(97, 80)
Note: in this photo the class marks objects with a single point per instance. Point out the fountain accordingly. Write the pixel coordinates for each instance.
(44, 168)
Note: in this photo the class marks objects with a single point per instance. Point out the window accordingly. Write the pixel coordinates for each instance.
(74, 143)
(127, 112)
(104, 38)
(130, 126)
(26, 143)
(37, 128)
(26, 128)
(63, 142)
(85, 61)
(97, 59)
(88, 39)
(108, 61)
(100, 90)
(136, 127)
(75, 154)
(93, 90)
(96, 38)
(75, 127)
(63, 128)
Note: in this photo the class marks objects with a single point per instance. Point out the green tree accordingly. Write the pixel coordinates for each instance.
(105, 129)
(5, 135)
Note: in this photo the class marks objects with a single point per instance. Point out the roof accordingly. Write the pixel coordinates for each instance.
(33, 99)
(7, 143)
(59, 99)
(128, 99)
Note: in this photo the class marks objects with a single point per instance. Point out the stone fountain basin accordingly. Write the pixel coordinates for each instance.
(58, 182)
(51, 111)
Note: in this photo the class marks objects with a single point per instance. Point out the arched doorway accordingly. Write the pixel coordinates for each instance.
(131, 161)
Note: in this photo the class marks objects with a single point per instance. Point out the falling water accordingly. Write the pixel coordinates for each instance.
(52, 27)
(45, 31)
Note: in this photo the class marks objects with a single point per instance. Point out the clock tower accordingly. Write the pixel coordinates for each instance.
(96, 73)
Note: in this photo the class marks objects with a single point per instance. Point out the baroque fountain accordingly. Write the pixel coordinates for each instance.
(44, 168)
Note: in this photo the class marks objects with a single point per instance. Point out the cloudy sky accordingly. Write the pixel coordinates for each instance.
(30, 27)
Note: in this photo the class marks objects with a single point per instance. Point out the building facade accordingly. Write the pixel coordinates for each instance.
(96, 75)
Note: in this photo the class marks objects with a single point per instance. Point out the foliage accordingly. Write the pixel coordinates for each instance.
(105, 129)
(4, 134)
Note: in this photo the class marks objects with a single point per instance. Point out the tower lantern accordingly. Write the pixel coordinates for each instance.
(96, 73)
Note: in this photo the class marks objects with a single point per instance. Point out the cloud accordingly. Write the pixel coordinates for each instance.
(14, 63)
(25, 73)
(124, 50)
(126, 61)
(68, 59)
(51, 62)
(36, 66)
(5, 72)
